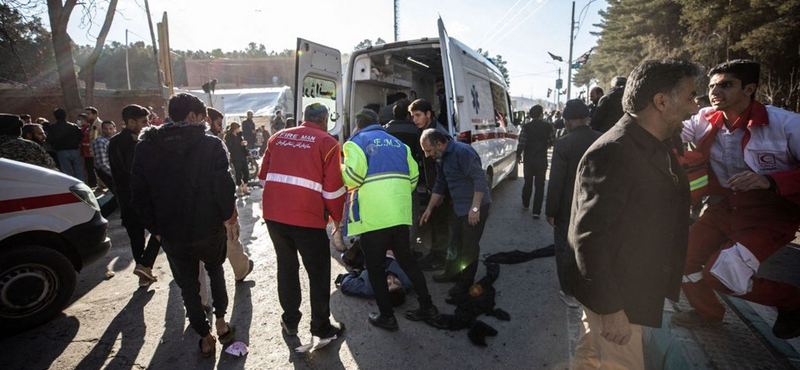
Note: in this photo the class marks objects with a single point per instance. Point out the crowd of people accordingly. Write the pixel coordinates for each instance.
(621, 186)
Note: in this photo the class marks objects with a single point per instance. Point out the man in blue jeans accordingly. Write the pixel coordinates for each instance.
(458, 169)
(65, 138)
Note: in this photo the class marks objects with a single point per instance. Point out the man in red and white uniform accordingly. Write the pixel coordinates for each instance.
(754, 181)
(303, 188)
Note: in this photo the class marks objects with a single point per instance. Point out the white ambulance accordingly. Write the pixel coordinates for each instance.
(453, 77)
(50, 227)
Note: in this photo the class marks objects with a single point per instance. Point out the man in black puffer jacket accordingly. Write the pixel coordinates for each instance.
(182, 190)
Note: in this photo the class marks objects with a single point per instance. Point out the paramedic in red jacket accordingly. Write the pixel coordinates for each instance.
(302, 188)
(754, 181)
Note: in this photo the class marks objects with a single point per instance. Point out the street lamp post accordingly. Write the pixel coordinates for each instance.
(569, 62)
(572, 37)
(127, 67)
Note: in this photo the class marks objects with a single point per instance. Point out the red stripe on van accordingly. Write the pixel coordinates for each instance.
(22, 204)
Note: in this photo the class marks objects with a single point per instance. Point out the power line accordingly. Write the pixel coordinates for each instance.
(501, 19)
(507, 23)
(521, 22)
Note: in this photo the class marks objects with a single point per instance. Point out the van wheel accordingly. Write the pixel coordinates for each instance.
(36, 283)
(514, 174)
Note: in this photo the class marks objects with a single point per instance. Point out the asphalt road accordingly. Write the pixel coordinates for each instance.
(113, 324)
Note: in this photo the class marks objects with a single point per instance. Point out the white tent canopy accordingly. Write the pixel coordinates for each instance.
(234, 103)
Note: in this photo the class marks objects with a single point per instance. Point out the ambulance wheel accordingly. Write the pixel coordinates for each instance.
(514, 174)
(36, 283)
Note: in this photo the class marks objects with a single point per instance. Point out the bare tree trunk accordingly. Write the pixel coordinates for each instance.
(62, 46)
(98, 49)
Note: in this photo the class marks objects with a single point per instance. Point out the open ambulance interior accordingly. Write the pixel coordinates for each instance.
(378, 75)
(415, 68)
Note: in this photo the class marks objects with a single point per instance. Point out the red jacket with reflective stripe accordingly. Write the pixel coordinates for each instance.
(301, 173)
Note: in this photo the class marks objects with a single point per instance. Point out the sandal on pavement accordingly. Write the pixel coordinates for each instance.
(228, 336)
(204, 353)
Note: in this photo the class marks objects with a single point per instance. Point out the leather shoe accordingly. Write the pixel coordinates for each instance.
(692, 318)
(430, 313)
(447, 277)
(384, 322)
(787, 326)
(432, 263)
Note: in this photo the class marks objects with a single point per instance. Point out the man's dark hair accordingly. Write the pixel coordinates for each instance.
(180, 105)
(746, 70)
(27, 129)
(366, 118)
(316, 112)
(213, 113)
(391, 99)
(656, 77)
(108, 122)
(60, 114)
(134, 112)
(290, 122)
(25, 117)
(373, 107)
(421, 105)
(536, 111)
(91, 109)
(400, 109)
(433, 136)
(10, 124)
(397, 295)
(619, 81)
(277, 112)
(84, 116)
(597, 88)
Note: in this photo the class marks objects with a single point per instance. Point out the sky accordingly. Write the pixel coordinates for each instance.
(522, 31)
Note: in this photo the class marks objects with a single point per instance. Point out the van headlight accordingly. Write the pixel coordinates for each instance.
(85, 194)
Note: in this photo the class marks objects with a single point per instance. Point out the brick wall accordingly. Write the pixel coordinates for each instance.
(109, 103)
(240, 73)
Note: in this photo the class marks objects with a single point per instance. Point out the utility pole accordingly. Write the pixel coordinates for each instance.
(127, 67)
(558, 90)
(571, 39)
(396, 20)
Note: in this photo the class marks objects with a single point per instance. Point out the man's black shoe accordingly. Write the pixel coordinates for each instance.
(333, 330)
(787, 326)
(384, 322)
(446, 277)
(692, 318)
(432, 263)
(430, 313)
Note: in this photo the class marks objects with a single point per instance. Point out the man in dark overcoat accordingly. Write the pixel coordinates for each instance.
(630, 217)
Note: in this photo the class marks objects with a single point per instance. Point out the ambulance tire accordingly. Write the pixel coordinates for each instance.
(36, 283)
(514, 174)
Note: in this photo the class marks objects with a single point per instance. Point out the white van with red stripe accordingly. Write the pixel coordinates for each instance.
(50, 228)
(450, 75)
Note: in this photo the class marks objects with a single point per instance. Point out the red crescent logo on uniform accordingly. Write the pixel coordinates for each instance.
(766, 159)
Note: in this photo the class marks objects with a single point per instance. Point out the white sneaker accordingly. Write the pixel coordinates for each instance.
(568, 300)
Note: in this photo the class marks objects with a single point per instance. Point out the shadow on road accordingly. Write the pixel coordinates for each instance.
(241, 316)
(129, 326)
(55, 336)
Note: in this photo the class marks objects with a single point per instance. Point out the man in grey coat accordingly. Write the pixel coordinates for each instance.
(630, 217)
